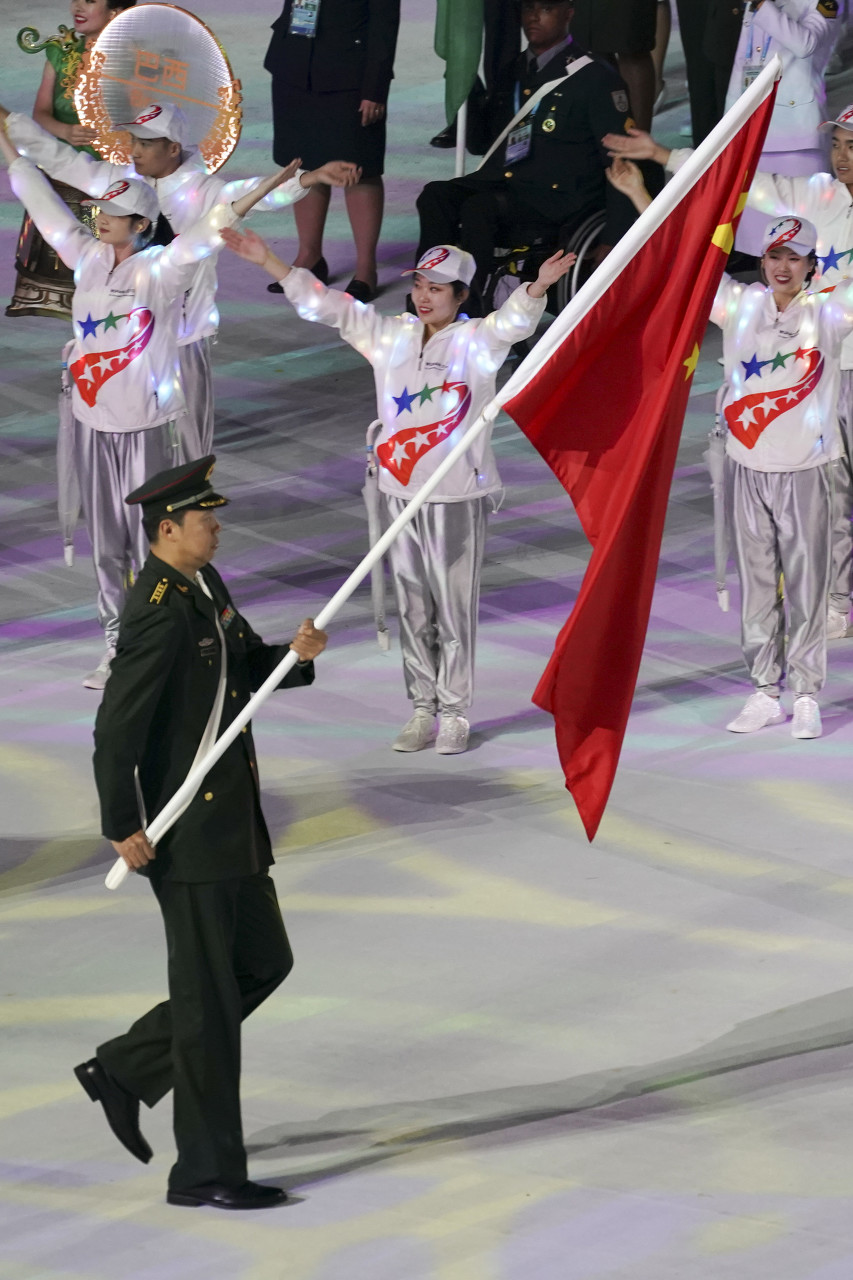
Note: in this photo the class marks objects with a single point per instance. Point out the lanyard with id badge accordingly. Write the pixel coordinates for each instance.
(519, 140)
(303, 18)
(756, 55)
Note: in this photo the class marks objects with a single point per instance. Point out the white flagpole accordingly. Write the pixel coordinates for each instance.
(584, 300)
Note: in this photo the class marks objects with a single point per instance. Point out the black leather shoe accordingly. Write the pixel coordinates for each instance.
(360, 290)
(445, 139)
(252, 1195)
(320, 269)
(120, 1107)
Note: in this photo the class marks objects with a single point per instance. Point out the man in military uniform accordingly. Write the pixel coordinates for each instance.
(551, 165)
(186, 665)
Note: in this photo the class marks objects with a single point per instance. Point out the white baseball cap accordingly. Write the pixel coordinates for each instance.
(158, 120)
(126, 197)
(844, 120)
(443, 264)
(797, 234)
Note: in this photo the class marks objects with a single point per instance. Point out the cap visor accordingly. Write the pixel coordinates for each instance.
(829, 125)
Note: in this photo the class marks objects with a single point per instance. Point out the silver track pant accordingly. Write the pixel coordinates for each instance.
(841, 568)
(435, 564)
(780, 524)
(111, 465)
(195, 424)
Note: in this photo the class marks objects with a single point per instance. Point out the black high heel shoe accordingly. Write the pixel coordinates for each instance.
(360, 290)
(320, 269)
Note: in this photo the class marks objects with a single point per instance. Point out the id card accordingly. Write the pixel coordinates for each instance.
(750, 74)
(518, 141)
(303, 18)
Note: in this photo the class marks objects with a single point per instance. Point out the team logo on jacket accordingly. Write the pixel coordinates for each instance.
(620, 100)
(749, 417)
(404, 450)
(91, 371)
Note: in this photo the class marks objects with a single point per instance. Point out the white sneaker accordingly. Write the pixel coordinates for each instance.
(836, 624)
(806, 717)
(416, 733)
(98, 678)
(453, 734)
(758, 710)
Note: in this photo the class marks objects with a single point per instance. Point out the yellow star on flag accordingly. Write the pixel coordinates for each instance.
(724, 236)
(691, 362)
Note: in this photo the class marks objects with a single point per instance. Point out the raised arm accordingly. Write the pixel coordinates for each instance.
(60, 160)
(636, 144)
(51, 215)
(337, 173)
(360, 324)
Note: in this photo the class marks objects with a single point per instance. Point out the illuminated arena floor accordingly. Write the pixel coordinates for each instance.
(503, 1054)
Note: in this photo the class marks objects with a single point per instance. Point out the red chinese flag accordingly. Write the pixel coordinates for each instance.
(605, 411)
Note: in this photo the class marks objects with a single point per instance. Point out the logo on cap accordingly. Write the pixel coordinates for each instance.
(433, 258)
(846, 115)
(787, 229)
(117, 189)
(150, 113)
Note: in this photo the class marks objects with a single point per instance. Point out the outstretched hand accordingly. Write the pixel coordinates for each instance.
(263, 188)
(625, 176)
(249, 246)
(550, 272)
(635, 144)
(335, 173)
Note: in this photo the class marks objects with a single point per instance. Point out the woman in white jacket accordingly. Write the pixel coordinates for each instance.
(123, 360)
(781, 353)
(434, 374)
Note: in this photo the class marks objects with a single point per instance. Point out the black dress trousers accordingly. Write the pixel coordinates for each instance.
(227, 951)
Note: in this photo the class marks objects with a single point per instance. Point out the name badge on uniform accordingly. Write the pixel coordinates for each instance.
(750, 74)
(518, 141)
(303, 18)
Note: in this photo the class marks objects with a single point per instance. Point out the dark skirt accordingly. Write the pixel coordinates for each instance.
(615, 26)
(44, 285)
(319, 127)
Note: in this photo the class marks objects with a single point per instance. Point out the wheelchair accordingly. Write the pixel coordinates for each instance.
(515, 266)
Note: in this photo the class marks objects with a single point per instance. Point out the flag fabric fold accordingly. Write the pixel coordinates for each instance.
(605, 409)
(459, 42)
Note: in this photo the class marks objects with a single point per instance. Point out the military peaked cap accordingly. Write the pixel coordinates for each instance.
(179, 489)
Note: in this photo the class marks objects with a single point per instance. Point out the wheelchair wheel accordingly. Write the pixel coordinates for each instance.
(582, 241)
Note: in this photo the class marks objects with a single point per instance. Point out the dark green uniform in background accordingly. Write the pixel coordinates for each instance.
(227, 946)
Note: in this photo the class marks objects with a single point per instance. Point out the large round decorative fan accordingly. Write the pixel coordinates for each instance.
(159, 53)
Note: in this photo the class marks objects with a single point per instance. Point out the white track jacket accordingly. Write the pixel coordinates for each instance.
(782, 373)
(124, 361)
(183, 197)
(426, 394)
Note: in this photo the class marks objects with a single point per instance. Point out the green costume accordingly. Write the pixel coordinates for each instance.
(44, 285)
(227, 945)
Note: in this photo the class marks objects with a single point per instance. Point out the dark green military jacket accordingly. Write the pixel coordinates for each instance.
(564, 172)
(156, 705)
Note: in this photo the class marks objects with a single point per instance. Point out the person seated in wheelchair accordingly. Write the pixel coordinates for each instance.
(548, 167)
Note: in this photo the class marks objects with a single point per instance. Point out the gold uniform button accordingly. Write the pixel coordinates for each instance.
(208, 795)
(555, 186)
(527, 93)
(240, 635)
(508, 173)
(233, 693)
(245, 728)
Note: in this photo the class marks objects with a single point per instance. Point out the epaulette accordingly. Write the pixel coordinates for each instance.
(161, 591)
